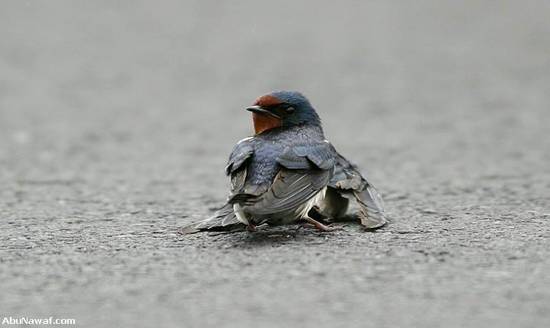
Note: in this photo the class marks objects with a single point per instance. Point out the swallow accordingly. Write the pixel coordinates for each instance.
(288, 171)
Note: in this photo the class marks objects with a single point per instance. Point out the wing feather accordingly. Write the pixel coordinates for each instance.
(223, 219)
(371, 206)
(348, 181)
(290, 189)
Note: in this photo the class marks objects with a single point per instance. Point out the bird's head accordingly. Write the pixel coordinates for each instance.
(282, 109)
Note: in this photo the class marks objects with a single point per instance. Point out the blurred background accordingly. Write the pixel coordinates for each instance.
(116, 119)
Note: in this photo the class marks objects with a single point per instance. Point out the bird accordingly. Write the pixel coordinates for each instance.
(289, 172)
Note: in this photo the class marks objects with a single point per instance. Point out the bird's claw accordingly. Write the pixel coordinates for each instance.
(320, 226)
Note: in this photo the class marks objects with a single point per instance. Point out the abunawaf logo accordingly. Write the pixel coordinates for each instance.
(26, 321)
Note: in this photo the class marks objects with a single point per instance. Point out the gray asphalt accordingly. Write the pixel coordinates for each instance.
(116, 119)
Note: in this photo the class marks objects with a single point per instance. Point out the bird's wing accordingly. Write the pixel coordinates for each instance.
(290, 188)
(241, 153)
(371, 206)
(350, 183)
(223, 219)
(302, 157)
(304, 170)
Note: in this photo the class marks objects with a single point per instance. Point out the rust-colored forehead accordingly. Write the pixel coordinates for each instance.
(267, 100)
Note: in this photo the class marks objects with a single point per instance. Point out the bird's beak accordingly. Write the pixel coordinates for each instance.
(259, 110)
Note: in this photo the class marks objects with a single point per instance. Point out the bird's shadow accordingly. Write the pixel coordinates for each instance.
(279, 235)
(266, 235)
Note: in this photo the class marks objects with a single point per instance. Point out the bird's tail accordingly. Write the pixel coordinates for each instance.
(224, 219)
(371, 206)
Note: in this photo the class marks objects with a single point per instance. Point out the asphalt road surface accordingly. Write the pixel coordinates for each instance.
(116, 119)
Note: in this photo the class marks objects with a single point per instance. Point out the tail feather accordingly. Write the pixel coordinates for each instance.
(371, 206)
(224, 219)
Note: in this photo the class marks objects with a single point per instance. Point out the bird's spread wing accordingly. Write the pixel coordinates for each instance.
(350, 183)
(290, 188)
(304, 171)
(371, 207)
(223, 219)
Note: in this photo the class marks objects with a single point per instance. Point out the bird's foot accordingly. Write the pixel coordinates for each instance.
(321, 227)
(251, 228)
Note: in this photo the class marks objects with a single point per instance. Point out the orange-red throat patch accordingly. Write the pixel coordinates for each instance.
(264, 122)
